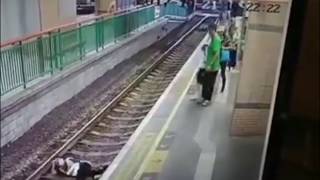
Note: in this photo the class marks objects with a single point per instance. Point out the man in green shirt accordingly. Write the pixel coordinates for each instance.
(212, 65)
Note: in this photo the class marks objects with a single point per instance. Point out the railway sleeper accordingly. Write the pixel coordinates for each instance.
(114, 118)
(136, 105)
(149, 91)
(174, 56)
(169, 69)
(93, 143)
(119, 126)
(145, 95)
(175, 63)
(163, 74)
(122, 136)
(120, 110)
(142, 100)
(153, 86)
(107, 135)
(159, 81)
(156, 78)
(94, 154)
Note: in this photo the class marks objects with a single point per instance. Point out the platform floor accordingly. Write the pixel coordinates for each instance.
(202, 148)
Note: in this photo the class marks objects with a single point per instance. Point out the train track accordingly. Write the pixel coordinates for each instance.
(102, 138)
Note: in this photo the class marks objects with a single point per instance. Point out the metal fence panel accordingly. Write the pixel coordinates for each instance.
(52, 52)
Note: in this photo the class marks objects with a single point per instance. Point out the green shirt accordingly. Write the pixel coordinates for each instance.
(213, 55)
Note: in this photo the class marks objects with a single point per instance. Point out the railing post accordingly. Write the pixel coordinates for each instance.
(102, 33)
(80, 40)
(60, 50)
(40, 55)
(114, 26)
(97, 35)
(22, 65)
(50, 53)
(127, 25)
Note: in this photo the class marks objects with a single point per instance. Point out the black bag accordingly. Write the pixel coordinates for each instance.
(201, 75)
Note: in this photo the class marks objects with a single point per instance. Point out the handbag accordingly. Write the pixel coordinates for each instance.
(201, 75)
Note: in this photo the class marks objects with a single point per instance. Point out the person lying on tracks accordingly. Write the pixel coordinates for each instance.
(80, 169)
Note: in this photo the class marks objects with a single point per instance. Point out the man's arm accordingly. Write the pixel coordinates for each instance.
(72, 169)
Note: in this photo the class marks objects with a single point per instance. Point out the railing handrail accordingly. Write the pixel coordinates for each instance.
(56, 28)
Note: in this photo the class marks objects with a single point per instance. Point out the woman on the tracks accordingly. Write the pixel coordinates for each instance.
(80, 169)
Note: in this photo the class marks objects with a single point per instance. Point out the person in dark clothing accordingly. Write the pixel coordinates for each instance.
(236, 9)
(225, 6)
(190, 6)
(229, 9)
(79, 169)
(233, 45)
(183, 2)
(225, 59)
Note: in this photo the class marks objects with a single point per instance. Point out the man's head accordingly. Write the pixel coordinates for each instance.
(212, 28)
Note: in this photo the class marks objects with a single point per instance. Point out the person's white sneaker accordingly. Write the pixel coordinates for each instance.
(205, 103)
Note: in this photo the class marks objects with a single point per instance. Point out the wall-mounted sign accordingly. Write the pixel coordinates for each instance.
(263, 6)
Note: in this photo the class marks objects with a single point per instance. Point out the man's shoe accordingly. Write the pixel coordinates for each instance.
(205, 103)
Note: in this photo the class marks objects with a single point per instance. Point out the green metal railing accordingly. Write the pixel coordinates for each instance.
(173, 9)
(26, 60)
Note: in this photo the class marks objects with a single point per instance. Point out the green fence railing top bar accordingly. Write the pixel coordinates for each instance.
(48, 52)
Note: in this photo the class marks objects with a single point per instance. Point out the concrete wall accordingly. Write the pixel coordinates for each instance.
(67, 10)
(65, 85)
(106, 6)
(24, 17)
(124, 4)
(49, 13)
(18, 18)
(56, 12)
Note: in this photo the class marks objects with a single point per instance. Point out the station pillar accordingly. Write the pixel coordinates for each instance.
(57, 12)
(265, 36)
(24, 17)
(105, 6)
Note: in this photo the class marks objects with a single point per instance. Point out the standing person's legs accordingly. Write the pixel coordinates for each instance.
(229, 65)
(223, 74)
(207, 88)
(233, 58)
